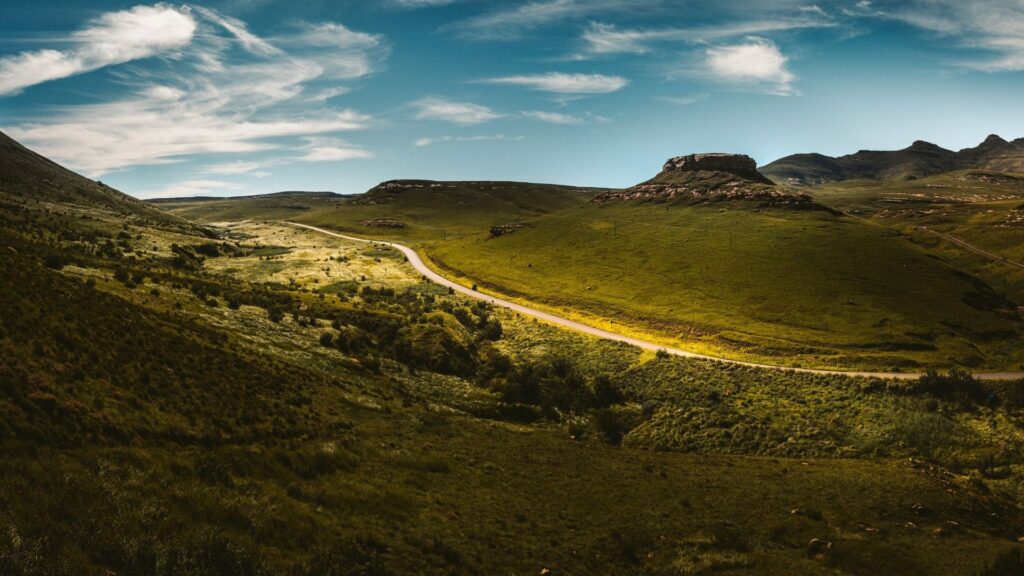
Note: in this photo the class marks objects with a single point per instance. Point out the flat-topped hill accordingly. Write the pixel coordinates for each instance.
(711, 178)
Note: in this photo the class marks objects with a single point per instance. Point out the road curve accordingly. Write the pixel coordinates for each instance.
(423, 269)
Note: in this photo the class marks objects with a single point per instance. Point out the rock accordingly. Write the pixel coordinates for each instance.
(383, 223)
(738, 164)
(818, 549)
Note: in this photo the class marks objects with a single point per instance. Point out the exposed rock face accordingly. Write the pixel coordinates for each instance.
(738, 164)
(383, 223)
(712, 178)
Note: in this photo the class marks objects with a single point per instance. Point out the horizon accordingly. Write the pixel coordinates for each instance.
(232, 98)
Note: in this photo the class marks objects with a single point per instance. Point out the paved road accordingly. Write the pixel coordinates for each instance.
(423, 269)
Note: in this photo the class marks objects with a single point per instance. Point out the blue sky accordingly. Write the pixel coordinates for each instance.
(251, 96)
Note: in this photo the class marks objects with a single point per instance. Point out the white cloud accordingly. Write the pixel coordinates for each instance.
(553, 117)
(195, 187)
(208, 102)
(240, 31)
(510, 23)
(332, 150)
(683, 100)
(113, 38)
(756, 62)
(565, 83)
(996, 26)
(419, 3)
(430, 141)
(602, 38)
(237, 167)
(465, 113)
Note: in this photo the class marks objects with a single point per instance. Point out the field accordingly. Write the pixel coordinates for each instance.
(266, 449)
(801, 288)
(980, 208)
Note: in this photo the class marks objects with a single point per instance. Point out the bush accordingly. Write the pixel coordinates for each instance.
(956, 386)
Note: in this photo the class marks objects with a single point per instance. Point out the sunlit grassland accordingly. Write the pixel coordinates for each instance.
(800, 288)
(785, 287)
(264, 452)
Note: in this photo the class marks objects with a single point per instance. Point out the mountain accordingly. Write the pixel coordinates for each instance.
(708, 178)
(27, 177)
(918, 160)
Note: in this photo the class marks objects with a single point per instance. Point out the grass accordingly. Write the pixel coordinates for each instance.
(981, 208)
(777, 286)
(261, 451)
(801, 288)
(171, 403)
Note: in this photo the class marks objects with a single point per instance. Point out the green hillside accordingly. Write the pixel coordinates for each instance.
(805, 288)
(259, 399)
(797, 284)
(982, 208)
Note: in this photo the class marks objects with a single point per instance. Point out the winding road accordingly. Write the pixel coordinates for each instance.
(423, 269)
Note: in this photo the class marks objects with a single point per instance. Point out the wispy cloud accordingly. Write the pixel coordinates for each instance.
(564, 83)
(601, 38)
(756, 63)
(194, 187)
(419, 3)
(683, 100)
(239, 167)
(209, 101)
(240, 31)
(510, 23)
(113, 38)
(422, 142)
(465, 113)
(995, 26)
(552, 117)
(332, 150)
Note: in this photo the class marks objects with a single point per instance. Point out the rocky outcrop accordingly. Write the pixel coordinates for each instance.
(383, 223)
(712, 178)
(737, 164)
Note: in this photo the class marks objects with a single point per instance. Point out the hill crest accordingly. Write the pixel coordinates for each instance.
(918, 160)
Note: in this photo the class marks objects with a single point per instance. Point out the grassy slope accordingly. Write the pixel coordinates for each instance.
(779, 286)
(27, 176)
(804, 287)
(307, 471)
(982, 208)
(145, 431)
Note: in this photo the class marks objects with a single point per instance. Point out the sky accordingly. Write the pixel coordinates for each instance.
(231, 97)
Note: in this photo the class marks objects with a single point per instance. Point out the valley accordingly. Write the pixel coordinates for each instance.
(309, 403)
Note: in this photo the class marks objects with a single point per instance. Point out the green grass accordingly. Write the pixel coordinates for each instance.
(163, 415)
(981, 208)
(784, 287)
(199, 440)
(779, 286)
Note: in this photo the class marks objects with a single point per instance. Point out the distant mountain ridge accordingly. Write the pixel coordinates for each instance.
(916, 161)
(299, 194)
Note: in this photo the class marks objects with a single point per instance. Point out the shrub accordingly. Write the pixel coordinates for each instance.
(956, 386)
